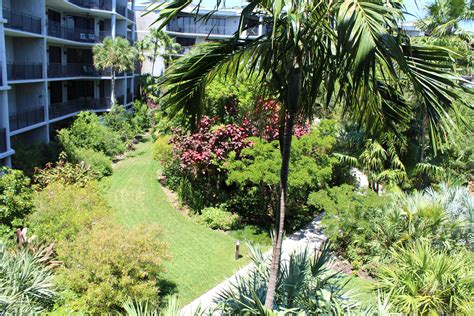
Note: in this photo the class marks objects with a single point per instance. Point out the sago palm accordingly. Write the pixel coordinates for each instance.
(317, 53)
(117, 55)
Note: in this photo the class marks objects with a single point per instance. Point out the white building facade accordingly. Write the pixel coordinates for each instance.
(47, 73)
(189, 30)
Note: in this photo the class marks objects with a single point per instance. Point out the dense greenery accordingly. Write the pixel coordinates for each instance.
(15, 200)
(423, 280)
(107, 265)
(26, 283)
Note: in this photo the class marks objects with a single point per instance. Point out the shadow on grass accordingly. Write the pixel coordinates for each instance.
(167, 287)
(142, 139)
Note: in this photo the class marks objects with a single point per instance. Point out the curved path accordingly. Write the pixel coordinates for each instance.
(200, 257)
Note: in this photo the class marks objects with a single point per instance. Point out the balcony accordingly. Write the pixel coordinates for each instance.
(3, 140)
(121, 9)
(93, 4)
(130, 15)
(56, 70)
(24, 71)
(20, 21)
(25, 118)
(58, 30)
(129, 97)
(188, 24)
(104, 34)
(82, 104)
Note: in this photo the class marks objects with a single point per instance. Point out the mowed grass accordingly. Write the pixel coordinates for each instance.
(200, 257)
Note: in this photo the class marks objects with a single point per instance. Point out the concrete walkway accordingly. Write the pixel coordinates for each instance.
(310, 237)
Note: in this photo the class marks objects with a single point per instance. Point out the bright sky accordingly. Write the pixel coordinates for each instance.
(415, 8)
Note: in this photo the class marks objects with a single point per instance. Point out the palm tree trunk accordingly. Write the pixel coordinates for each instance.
(112, 98)
(293, 101)
(155, 51)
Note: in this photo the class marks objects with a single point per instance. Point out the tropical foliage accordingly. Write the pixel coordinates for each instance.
(26, 283)
(348, 51)
(423, 280)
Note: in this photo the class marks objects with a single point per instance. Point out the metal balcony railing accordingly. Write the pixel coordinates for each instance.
(130, 15)
(121, 99)
(3, 140)
(24, 71)
(56, 70)
(25, 118)
(129, 97)
(104, 34)
(78, 105)
(59, 30)
(121, 9)
(93, 4)
(22, 21)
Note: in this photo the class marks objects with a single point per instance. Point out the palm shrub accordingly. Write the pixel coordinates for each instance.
(120, 121)
(423, 280)
(305, 284)
(26, 285)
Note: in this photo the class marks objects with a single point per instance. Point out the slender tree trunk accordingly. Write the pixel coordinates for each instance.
(292, 102)
(112, 98)
(155, 50)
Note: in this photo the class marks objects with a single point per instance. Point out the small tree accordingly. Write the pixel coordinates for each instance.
(115, 54)
(159, 44)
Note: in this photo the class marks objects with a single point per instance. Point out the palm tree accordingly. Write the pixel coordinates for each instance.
(115, 54)
(444, 18)
(319, 53)
(160, 41)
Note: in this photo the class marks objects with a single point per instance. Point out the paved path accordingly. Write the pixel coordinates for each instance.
(310, 236)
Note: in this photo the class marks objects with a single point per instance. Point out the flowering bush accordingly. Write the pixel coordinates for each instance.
(208, 146)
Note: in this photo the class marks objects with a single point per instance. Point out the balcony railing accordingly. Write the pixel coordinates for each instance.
(104, 34)
(130, 15)
(24, 71)
(3, 140)
(121, 9)
(56, 29)
(93, 4)
(129, 97)
(22, 21)
(56, 70)
(25, 118)
(82, 104)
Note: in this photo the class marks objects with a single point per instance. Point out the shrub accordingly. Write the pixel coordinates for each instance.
(29, 157)
(422, 280)
(349, 220)
(62, 211)
(107, 265)
(88, 132)
(256, 173)
(120, 121)
(163, 150)
(99, 163)
(65, 173)
(26, 285)
(15, 199)
(219, 218)
(142, 116)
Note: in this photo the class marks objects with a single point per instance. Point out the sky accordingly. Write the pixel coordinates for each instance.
(414, 7)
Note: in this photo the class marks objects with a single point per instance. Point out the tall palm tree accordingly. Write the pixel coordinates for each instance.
(444, 18)
(115, 54)
(160, 44)
(347, 52)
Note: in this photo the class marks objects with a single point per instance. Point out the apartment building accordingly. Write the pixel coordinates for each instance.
(189, 30)
(47, 73)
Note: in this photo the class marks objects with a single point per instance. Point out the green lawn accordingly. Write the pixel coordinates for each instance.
(200, 257)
